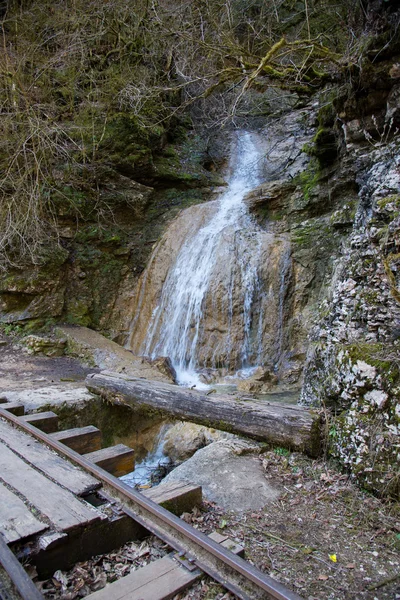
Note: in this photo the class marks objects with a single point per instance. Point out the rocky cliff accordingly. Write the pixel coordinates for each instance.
(108, 131)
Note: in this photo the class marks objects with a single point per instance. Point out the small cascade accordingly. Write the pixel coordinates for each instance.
(217, 301)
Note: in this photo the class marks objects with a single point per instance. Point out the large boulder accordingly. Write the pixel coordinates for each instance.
(182, 440)
(230, 474)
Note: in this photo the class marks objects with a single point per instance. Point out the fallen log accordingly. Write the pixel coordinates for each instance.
(283, 425)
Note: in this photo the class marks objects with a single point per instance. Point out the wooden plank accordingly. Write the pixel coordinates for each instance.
(160, 580)
(19, 584)
(284, 425)
(16, 520)
(227, 543)
(81, 439)
(48, 462)
(45, 421)
(15, 408)
(117, 460)
(61, 507)
(176, 496)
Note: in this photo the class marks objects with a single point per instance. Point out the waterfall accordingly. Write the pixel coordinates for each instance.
(210, 308)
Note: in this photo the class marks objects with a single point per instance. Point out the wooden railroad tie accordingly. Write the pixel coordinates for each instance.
(46, 421)
(81, 439)
(162, 578)
(45, 483)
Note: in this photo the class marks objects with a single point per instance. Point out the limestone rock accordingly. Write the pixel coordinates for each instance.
(98, 351)
(230, 477)
(165, 366)
(44, 345)
(182, 440)
(249, 386)
(272, 194)
(52, 395)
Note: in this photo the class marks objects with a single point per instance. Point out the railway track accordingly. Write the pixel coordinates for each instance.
(194, 549)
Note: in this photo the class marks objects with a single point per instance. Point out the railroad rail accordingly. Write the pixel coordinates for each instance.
(195, 548)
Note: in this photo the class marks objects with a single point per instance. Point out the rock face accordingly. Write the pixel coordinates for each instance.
(278, 319)
(301, 224)
(229, 475)
(352, 365)
(221, 336)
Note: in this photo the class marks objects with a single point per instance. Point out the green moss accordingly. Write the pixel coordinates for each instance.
(308, 180)
(374, 354)
(394, 200)
(310, 233)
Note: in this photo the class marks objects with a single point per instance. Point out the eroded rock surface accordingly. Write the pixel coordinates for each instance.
(353, 363)
(230, 475)
(182, 440)
(98, 351)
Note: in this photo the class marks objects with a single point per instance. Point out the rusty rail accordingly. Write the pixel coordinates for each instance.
(234, 573)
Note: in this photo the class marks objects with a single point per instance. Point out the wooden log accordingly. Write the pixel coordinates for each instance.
(176, 496)
(45, 421)
(159, 580)
(15, 408)
(48, 462)
(117, 460)
(284, 425)
(81, 439)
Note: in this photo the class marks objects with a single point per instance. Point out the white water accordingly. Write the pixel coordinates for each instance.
(154, 459)
(176, 325)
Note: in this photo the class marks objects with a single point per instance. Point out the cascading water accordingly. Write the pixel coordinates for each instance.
(210, 308)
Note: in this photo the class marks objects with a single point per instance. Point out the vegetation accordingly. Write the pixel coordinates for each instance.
(93, 89)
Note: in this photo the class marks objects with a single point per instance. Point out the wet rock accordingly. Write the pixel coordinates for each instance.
(209, 376)
(165, 366)
(229, 475)
(182, 440)
(273, 195)
(248, 386)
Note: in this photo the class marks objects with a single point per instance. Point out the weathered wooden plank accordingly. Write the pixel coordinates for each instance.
(45, 421)
(81, 439)
(61, 507)
(117, 460)
(14, 408)
(290, 426)
(160, 580)
(16, 520)
(176, 496)
(48, 462)
(16, 582)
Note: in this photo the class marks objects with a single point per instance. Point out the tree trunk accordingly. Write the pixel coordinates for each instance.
(284, 425)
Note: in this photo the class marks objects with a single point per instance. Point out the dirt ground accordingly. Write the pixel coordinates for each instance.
(324, 537)
(20, 370)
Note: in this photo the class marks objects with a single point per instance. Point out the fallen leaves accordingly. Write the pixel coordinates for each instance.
(92, 575)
